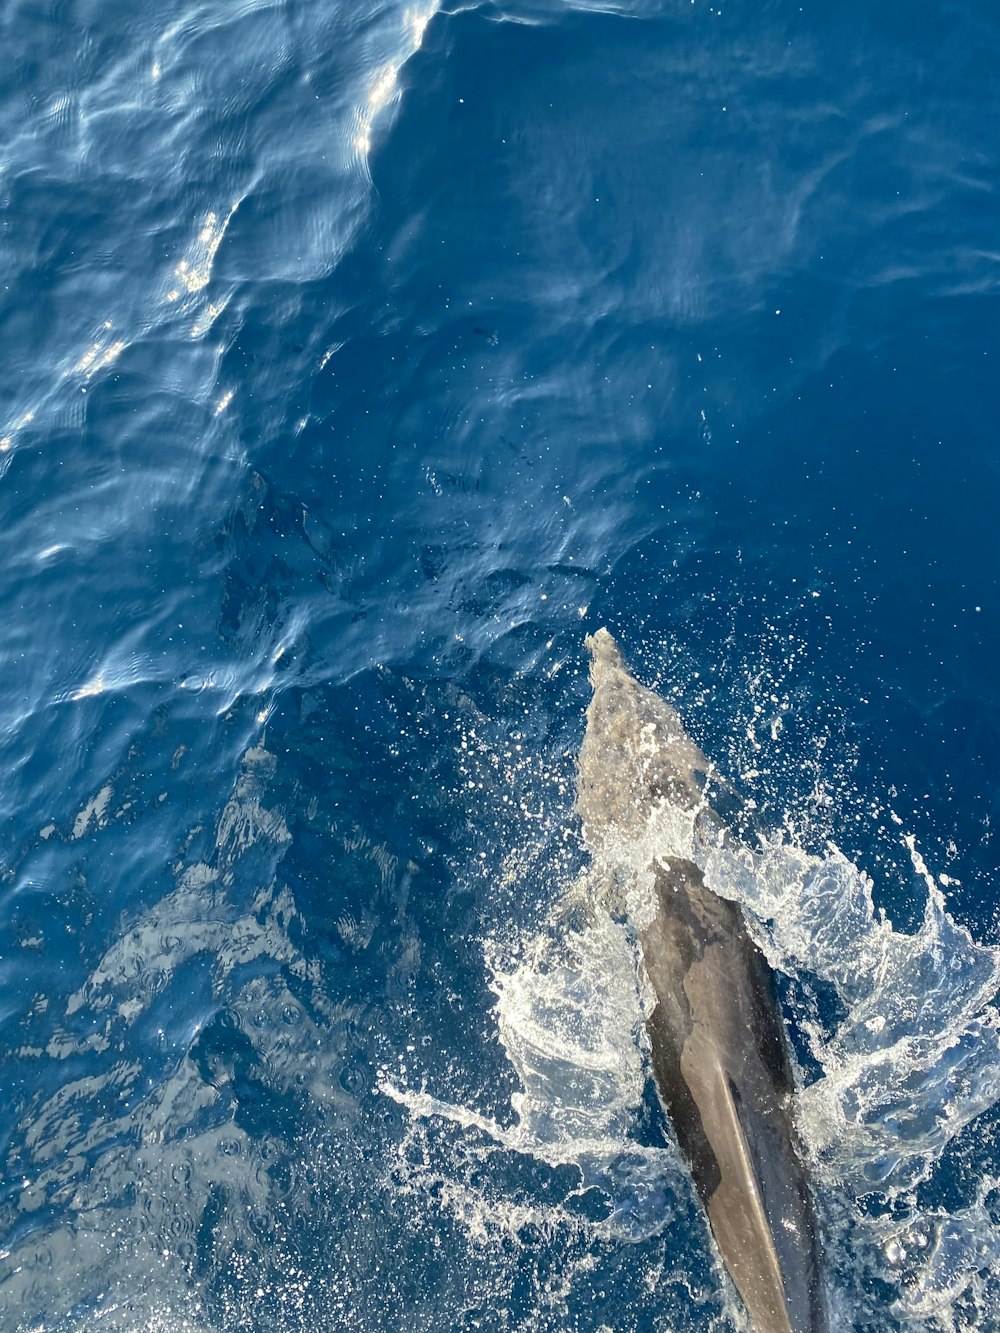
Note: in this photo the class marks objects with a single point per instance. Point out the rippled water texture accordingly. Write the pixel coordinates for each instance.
(357, 360)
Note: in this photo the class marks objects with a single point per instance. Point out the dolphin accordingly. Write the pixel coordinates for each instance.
(720, 1056)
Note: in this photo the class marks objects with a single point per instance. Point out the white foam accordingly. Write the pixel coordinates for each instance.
(570, 1022)
(902, 1027)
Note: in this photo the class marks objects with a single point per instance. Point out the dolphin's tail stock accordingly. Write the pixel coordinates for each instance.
(719, 1052)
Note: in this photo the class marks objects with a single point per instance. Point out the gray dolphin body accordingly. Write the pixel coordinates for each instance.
(719, 1052)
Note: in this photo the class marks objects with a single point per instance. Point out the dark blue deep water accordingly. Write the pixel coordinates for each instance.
(357, 359)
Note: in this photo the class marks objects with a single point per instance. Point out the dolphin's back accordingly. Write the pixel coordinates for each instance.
(721, 1067)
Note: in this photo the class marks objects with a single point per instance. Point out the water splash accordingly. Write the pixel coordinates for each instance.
(901, 1033)
(569, 1021)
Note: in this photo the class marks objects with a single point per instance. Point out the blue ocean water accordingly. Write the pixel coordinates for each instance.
(357, 361)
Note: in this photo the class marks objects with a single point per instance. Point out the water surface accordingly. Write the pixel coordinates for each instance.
(358, 360)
